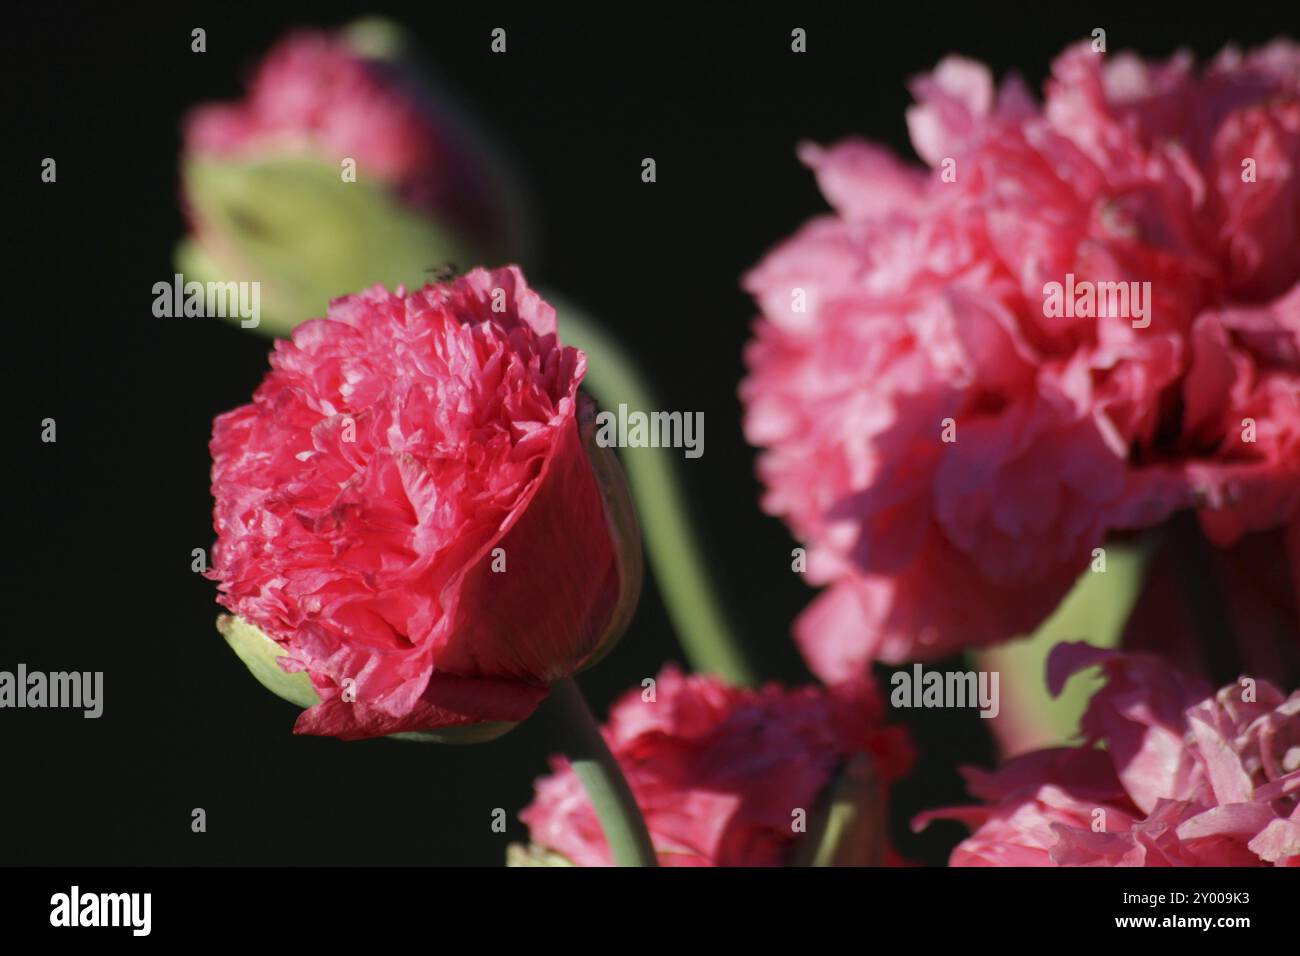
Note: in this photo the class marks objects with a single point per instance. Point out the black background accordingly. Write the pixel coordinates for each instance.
(99, 527)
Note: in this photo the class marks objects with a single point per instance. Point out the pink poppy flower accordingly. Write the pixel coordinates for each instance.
(954, 412)
(411, 508)
(721, 773)
(317, 95)
(1168, 775)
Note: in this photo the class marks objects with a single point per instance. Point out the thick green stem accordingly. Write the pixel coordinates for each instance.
(1096, 610)
(707, 635)
(620, 817)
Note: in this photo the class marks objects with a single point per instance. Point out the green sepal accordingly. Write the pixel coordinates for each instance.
(307, 236)
(259, 653)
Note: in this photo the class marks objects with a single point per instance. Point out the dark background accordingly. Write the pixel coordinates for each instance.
(99, 526)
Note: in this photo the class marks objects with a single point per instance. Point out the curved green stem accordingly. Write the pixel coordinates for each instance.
(601, 776)
(707, 635)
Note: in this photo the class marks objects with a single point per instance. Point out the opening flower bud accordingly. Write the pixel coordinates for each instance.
(340, 168)
(410, 512)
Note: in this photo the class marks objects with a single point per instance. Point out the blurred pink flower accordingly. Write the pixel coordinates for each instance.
(1186, 778)
(316, 95)
(718, 770)
(950, 452)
